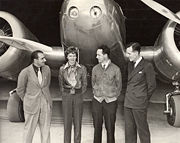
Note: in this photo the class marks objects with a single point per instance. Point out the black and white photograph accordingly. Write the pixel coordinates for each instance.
(89, 71)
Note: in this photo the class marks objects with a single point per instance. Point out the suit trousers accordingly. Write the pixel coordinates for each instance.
(72, 112)
(136, 121)
(43, 118)
(108, 112)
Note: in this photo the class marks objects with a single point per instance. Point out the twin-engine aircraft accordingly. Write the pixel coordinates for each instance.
(88, 24)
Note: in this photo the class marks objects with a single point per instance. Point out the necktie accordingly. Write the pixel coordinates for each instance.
(39, 76)
(104, 66)
(134, 64)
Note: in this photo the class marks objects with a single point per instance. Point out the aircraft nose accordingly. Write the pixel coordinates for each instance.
(95, 12)
(85, 19)
(87, 23)
(73, 12)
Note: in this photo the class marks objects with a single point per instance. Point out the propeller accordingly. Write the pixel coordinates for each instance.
(5, 30)
(162, 10)
(24, 44)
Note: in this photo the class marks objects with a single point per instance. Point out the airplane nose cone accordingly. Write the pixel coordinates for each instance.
(84, 19)
(89, 23)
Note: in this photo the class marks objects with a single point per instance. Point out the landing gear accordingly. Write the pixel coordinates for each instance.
(15, 108)
(173, 106)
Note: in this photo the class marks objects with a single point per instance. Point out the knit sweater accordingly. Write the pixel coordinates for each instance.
(106, 83)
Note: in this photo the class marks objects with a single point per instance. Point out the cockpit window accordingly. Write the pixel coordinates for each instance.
(95, 12)
(73, 12)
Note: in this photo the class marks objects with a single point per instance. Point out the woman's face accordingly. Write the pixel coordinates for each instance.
(71, 58)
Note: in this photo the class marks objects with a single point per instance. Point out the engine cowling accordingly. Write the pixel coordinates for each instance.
(165, 54)
(13, 60)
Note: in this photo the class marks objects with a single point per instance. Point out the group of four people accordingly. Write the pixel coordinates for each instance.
(33, 89)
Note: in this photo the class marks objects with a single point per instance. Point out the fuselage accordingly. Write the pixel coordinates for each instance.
(91, 23)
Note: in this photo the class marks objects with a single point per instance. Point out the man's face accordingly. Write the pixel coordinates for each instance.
(71, 58)
(132, 55)
(99, 55)
(41, 60)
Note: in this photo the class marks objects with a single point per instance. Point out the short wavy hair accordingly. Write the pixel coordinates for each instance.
(135, 46)
(71, 49)
(34, 55)
(105, 49)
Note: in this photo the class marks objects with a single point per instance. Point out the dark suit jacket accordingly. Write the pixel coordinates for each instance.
(30, 91)
(140, 86)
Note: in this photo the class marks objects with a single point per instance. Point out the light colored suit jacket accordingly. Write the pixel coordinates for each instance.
(30, 91)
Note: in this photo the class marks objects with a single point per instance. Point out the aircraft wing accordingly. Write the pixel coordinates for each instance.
(17, 56)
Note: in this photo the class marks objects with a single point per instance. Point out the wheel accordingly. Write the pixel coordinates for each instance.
(15, 108)
(174, 117)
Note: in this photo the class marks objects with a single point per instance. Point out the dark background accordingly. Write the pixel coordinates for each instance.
(41, 17)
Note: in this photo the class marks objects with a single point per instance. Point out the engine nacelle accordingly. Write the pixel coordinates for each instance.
(167, 52)
(13, 60)
(166, 58)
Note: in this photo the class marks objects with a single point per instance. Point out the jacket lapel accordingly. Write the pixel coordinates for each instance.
(33, 74)
(136, 69)
(130, 67)
(43, 75)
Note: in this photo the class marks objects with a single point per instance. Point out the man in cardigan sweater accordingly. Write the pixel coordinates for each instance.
(106, 84)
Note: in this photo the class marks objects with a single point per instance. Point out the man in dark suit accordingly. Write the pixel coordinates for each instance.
(33, 89)
(140, 86)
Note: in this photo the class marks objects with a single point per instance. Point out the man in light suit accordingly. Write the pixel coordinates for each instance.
(33, 89)
(140, 86)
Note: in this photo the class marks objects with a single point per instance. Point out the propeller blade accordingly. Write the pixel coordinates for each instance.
(162, 10)
(24, 44)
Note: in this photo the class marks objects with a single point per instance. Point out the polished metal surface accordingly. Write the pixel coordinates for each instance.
(91, 23)
(13, 60)
(166, 53)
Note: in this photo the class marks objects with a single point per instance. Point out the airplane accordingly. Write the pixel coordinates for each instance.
(88, 24)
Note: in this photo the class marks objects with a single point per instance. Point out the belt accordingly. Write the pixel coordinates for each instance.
(72, 90)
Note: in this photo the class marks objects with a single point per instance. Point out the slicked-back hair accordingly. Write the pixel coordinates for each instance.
(135, 46)
(72, 50)
(105, 50)
(34, 55)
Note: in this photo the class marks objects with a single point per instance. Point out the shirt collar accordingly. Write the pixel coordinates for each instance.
(106, 63)
(138, 61)
(35, 67)
(76, 65)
